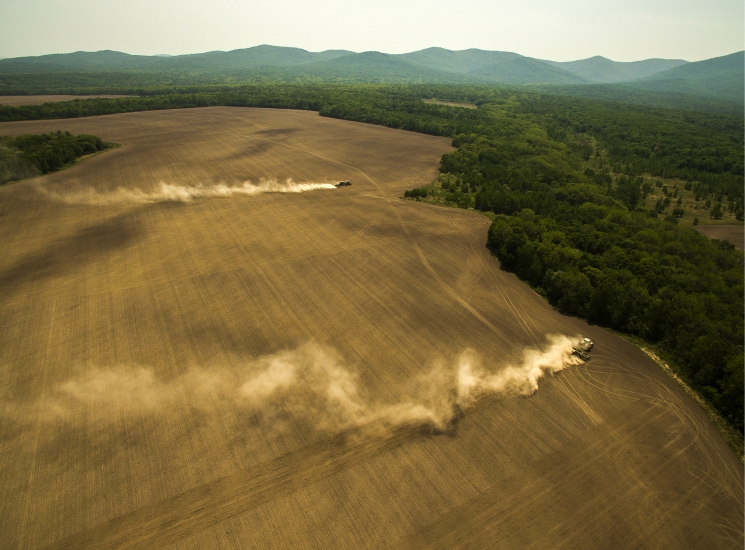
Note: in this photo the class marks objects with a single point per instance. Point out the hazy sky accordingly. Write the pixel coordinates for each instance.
(562, 30)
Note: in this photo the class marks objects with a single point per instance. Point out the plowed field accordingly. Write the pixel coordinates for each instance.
(732, 233)
(212, 373)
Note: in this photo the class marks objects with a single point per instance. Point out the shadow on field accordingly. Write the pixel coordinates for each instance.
(73, 252)
(251, 149)
(272, 132)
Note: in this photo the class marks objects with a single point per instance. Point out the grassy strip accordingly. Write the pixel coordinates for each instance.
(109, 146)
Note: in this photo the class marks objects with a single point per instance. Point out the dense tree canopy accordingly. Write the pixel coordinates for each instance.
(27, 155)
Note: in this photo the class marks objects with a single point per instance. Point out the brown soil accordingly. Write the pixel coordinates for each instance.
(116, 321)
(732, 233)
(16, 100)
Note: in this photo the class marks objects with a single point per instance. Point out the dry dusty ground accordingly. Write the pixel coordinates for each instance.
(732, 233)
(15, 100)
(137, 411)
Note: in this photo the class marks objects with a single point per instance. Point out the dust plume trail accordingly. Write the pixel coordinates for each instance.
(310, 384)
(180, 193)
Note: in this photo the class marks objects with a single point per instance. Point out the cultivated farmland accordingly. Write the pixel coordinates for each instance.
(732, 233)
(242, 370)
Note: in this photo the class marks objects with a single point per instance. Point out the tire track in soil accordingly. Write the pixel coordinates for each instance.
(198, 509)
(450, 291)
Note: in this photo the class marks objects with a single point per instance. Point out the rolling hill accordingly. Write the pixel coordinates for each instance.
(526, 70)
(719, 78)
(502, 67)
(249, 58)
(105, 60)
(432, 65)
(602, 69)
(375, 67)
(235, 60)
(464, 61)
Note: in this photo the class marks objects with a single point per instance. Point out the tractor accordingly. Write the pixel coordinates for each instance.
(582, 349)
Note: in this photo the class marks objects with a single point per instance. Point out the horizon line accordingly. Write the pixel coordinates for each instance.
(362, 52)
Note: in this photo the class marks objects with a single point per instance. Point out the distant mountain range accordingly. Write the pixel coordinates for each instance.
(489, 66)
(721, 77)
(602, 69)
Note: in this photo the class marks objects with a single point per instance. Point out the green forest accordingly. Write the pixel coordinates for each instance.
(30, 155)
(564, 179)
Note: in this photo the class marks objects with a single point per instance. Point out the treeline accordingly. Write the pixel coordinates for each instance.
(563, 176)
(29, 155)
(116, 82)
(104, 106)
(640, 275)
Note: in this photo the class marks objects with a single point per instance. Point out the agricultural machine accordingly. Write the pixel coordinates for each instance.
(582, 349)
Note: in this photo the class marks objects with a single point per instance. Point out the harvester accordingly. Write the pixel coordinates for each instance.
(344, 183)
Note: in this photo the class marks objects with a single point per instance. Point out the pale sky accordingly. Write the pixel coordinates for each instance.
(560, 30)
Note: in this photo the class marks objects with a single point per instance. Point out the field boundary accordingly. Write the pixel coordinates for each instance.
(733, 438)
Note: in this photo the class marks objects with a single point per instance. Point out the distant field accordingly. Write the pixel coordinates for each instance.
(728, 227)
(186, 372)
(451, 103)
(731, 233)
(693, 208)
(16, 100)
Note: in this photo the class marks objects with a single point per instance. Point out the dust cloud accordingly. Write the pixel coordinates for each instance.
(311, 384)
(179, 193)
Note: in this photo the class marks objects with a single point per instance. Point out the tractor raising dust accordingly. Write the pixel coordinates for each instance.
(344, 183)
(582, 349)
